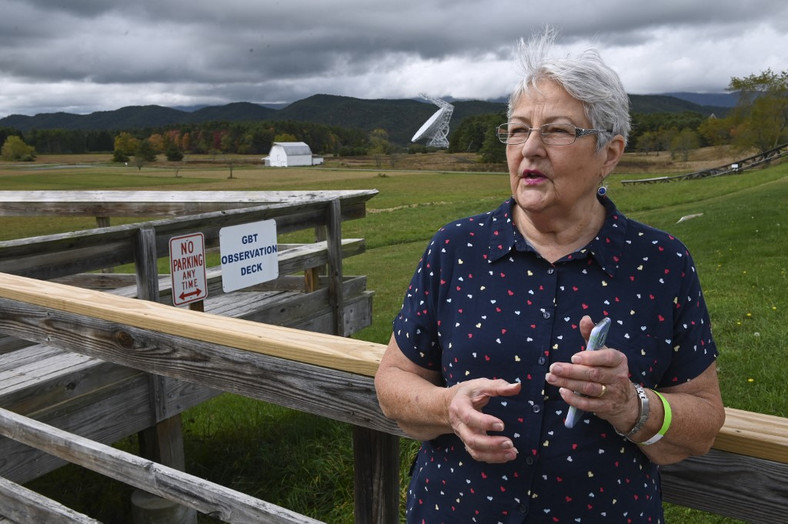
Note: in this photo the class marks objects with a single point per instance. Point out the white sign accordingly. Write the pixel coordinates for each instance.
(249, 254)
(187, 268)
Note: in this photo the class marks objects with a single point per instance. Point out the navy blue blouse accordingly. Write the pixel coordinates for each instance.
(483, 303)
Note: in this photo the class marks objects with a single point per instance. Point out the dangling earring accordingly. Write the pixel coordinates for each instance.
(602, 191)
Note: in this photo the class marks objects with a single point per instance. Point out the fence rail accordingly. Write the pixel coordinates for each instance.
(728, 169)
(741, 478)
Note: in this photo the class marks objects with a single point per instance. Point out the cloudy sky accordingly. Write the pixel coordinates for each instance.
(81, 56)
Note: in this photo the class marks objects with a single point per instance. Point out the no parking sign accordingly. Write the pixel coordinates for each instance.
(187, 268)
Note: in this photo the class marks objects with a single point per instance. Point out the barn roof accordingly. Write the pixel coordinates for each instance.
(294, 148)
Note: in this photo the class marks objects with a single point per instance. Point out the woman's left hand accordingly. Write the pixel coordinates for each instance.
(597, 382)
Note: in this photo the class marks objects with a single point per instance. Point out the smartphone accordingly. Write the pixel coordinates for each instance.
(595, 341)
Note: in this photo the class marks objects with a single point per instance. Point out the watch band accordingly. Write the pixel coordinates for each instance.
(643, 412)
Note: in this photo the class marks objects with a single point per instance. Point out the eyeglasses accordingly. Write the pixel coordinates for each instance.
(513, 133)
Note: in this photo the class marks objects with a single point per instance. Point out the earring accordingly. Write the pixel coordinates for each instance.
(602, 191)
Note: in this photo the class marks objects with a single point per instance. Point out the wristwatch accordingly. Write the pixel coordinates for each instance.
(643, 411)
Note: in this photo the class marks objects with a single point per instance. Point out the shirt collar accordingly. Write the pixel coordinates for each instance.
(606, 248)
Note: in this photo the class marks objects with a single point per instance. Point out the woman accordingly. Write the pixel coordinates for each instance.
(486, 354)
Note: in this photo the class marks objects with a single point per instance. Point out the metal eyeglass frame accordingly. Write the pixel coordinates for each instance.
(502, 132)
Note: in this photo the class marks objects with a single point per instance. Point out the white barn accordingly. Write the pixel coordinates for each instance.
(290, 154)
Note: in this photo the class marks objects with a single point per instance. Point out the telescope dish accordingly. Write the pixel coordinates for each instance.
(436, 128)
(428, 128)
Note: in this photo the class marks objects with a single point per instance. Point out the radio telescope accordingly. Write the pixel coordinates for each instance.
(436, 128)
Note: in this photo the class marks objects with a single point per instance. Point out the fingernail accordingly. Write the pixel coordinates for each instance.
(498, 426)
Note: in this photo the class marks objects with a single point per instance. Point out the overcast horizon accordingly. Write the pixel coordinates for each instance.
(96, 55)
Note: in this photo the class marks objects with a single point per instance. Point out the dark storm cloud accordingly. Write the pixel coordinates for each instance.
(88, 55)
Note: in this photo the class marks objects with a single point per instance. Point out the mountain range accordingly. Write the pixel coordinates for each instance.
(400, 117)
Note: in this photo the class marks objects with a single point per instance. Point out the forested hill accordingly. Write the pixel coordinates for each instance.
(401, 118)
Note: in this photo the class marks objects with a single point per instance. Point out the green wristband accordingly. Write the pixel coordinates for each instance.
(667, 419)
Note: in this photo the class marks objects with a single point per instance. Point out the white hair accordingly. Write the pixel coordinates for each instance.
(585, 77)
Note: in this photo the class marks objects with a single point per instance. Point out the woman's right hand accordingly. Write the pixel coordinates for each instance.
(424, 409)
(472, 425)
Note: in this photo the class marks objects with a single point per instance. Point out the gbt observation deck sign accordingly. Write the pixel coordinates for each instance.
(187, 269)
(249, 254)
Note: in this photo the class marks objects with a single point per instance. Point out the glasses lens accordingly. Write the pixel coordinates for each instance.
(513, 133)
(503, 133)
(558, 134)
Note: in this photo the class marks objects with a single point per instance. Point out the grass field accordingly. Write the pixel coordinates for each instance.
(305, 463)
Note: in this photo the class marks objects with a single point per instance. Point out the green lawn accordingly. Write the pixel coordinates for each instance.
(305, 463)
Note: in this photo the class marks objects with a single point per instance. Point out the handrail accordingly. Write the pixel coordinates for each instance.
(323, 374)
(166, 482)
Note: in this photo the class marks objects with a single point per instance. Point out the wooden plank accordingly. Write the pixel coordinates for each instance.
(108, 412)
(729, 484)
(334, 270)
(754, 434)
(23, 505)
(376, 486)
(169, 483)
(10, 344)
(146, 264)
(353, 356)
(293, 259)
(54, 256)
(286, 382)
(153, 203)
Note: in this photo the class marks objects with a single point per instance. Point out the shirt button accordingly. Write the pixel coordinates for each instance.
(551, 271)
(537, 408)
(530, 461)
(542, 361)
(546, 314)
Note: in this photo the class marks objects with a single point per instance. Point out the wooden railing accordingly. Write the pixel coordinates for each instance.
(107, 402)
(744, 476)
(193, 355)
(734, 168)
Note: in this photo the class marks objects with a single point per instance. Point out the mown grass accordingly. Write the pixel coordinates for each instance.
(305, 463)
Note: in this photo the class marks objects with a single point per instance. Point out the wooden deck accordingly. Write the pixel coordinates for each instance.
(91, 397)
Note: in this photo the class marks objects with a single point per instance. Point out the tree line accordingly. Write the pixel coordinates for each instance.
(759, 121)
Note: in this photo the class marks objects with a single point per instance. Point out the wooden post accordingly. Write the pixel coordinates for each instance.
(146, 264)
(162, 442)
(334, 242)
(104, 222)
(311, 279)
(376, 485)
(312, 274)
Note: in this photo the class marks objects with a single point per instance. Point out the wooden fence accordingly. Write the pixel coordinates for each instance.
(761, 159)
(745, 476)
(107, 402)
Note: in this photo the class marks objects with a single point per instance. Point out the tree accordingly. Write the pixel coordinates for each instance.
(492, 150)
(15, 149)
(647, 142)
(761, 116)
(144, 153)
(285, 137)
(716, 131)
(125, 146)
(173, 153)
(379, 145)
(683, 142)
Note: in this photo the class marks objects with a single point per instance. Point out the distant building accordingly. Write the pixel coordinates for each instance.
(291, 154)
